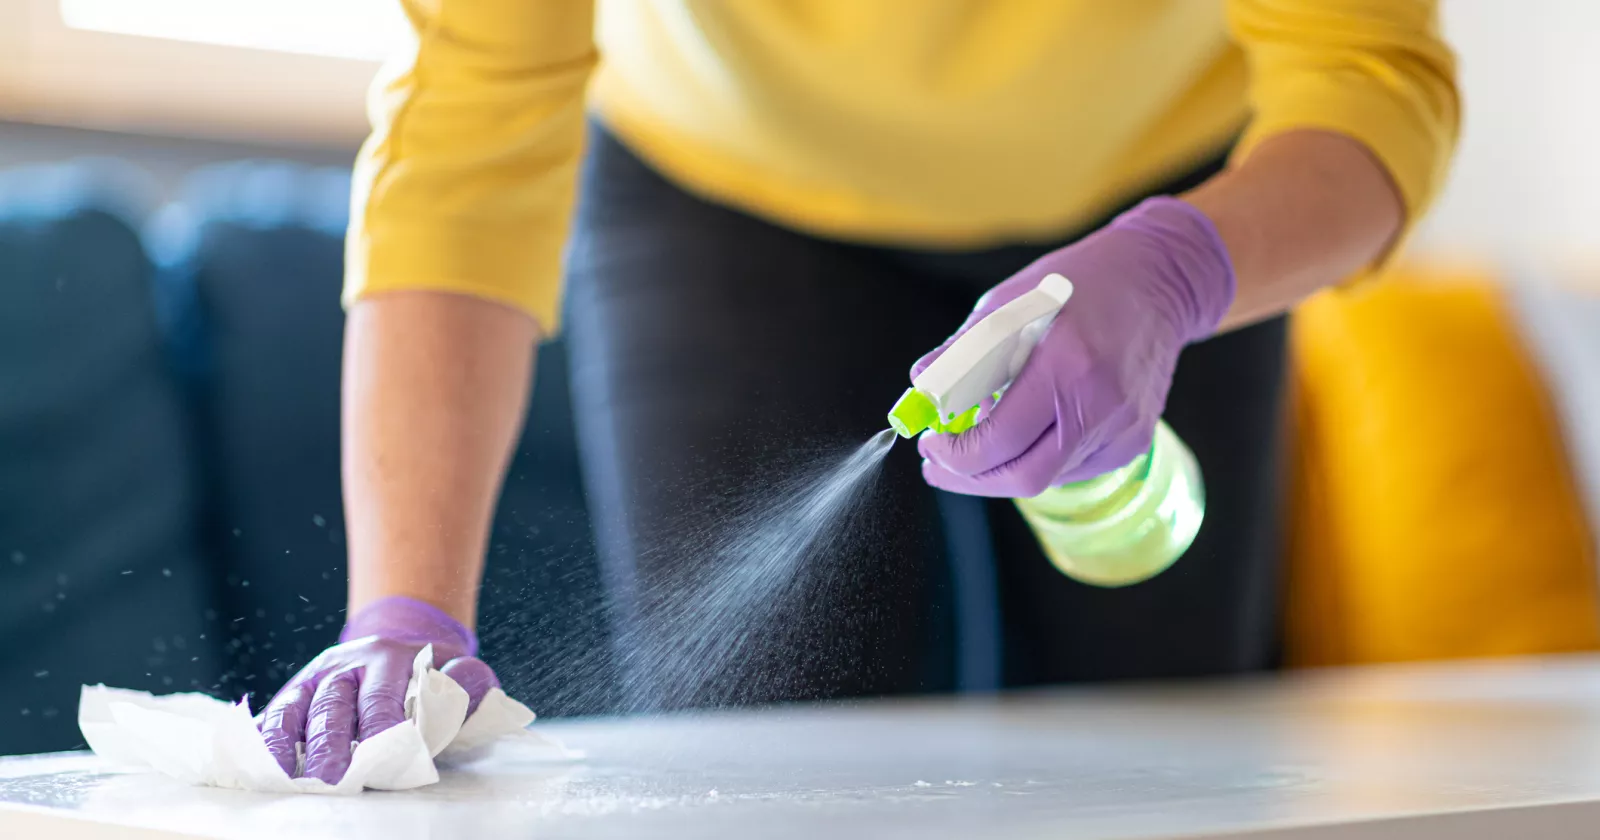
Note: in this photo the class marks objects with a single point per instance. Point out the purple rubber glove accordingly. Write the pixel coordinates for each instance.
(1087, 401)
(356, 689)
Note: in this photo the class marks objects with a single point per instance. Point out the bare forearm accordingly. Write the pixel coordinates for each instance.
(1303, 212)
(435, 386)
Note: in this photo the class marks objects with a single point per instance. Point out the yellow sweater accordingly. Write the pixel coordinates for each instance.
(951, 123)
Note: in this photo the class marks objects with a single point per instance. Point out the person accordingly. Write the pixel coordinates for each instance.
(782, 204)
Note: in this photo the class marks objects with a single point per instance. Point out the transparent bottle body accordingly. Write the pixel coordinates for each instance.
(1125, 526)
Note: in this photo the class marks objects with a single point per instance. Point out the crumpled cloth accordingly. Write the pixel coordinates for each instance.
(204, 741)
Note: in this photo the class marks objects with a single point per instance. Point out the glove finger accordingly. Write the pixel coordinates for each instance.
(381, 702)
(331, 727)
(475, 676)
(1115, 455)
(1013, 426)
(1068, 450)
(283, 722)
(1023, 477)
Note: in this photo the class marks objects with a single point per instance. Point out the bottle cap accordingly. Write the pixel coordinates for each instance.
(915, 411)
(912, 413)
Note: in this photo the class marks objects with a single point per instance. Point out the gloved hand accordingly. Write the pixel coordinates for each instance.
(1155, 279)
(356, 689)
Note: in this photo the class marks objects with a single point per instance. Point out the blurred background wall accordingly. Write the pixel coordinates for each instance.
(172, 196)
(1526, 183)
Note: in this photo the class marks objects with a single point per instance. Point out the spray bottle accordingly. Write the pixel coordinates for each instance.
(1119, 528)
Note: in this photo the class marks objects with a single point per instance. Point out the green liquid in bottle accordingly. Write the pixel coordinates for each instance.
(1127, 525)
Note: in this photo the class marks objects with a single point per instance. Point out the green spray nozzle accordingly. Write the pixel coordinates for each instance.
(979, 363)
(915, 411)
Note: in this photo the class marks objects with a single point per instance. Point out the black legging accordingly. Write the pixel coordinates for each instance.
(708, 346)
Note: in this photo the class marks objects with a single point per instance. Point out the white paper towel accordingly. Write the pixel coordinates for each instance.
(205, 741)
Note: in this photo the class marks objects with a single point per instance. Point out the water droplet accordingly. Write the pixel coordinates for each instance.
(304, 598)
(61, 580)
(166, 573)
(127, 571)
(18, 558)
(51, 712)
(317, 520)
(237, 532)
(26, 712)
(41, 674)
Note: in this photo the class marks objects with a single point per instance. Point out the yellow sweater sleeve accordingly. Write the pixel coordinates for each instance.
(467, 182)
(1373, 70)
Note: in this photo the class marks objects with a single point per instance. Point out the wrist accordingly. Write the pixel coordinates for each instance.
(409, 620)
(1198, 281)
(371, 583)
(1302, 212)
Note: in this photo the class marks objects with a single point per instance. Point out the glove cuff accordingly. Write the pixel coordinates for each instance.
(1203, 284)
(409, 620)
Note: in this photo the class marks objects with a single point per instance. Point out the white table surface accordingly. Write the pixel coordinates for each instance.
(1505, 749)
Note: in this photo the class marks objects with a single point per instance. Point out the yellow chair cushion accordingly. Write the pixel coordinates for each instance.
(1433, 513)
